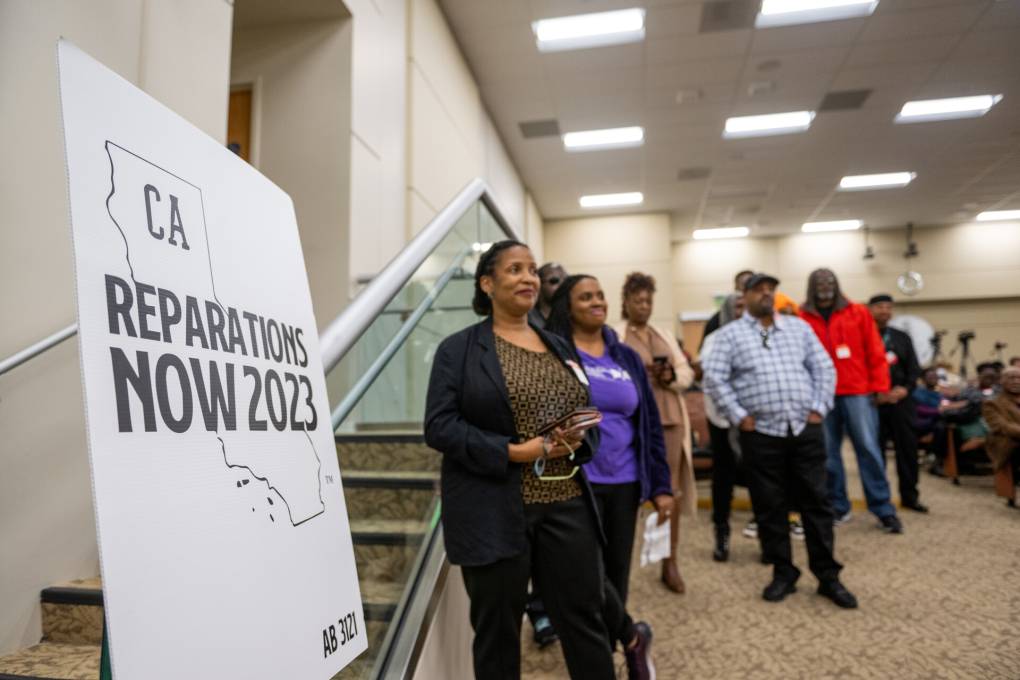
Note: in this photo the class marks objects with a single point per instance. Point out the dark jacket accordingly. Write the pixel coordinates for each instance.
(904, 370)
(469, 421)
(653, 467)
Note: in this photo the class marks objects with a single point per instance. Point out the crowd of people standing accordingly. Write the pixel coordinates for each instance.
(556, 425)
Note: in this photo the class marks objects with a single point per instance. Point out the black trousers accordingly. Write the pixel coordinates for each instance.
(896, 424)
(724, 474)
(618, 509)
(787, 473)
(564, 558)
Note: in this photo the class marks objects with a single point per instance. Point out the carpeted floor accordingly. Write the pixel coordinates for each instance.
(941, 601)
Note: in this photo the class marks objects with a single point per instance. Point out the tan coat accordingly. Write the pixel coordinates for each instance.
(1003, 417)
(683, 476)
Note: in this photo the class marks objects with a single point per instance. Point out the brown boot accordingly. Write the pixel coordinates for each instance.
(671, 576)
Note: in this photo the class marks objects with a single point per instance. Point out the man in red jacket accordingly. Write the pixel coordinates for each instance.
(848, 332)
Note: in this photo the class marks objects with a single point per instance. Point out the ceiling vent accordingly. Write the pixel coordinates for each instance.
(845, 100)
(690, 174)
(728, 15)
(540, 128)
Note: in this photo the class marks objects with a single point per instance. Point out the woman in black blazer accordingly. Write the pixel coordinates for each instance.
(515, 505)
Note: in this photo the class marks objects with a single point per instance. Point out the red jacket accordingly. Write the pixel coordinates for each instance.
(852, 340)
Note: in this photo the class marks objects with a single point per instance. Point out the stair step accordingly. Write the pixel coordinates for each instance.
(390, 494)
(52, 661)
(390, 479)
(72, 612)
(385, 452)
(387, 531)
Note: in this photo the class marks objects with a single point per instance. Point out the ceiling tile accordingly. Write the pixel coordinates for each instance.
(806, 36)
(696, 47)
(695, 73)
(921, 22)
(908, 51)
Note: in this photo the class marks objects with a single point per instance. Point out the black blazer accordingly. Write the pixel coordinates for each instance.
(468, 420)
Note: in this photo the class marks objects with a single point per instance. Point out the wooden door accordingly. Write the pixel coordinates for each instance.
(239, 122)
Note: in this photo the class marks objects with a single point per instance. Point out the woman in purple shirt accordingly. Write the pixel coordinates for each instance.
(630, 465)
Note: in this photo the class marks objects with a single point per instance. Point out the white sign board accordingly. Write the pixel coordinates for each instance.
(223, 533)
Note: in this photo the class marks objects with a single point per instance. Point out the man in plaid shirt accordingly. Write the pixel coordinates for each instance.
(771, 377)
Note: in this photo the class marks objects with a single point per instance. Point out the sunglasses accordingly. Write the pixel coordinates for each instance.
(765, 339)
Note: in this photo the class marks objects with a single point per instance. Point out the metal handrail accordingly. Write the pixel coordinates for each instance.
(341, 334)
(38, 348)
(352, 398)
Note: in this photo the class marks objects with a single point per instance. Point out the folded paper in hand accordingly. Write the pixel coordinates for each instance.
(655, 543)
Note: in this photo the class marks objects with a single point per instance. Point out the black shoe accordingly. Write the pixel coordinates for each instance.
(639, 656)
(778, 590)
(722, 543)
(916, 506)
(837, 592)
(891, 524)
(545, 634)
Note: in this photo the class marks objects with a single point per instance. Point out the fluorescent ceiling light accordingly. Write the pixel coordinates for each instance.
(885, 180)
(996, 215)
(590, 30)
(787, 12)
(612, 138)
(836, 225)
(946, 109)
(722, 232)
(768, 124)
(611, 200)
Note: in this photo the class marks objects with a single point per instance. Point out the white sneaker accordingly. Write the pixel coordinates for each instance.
(843, 519)
(751, 530)
(796, 530)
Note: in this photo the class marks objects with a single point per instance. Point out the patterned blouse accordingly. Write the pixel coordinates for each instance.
(541, 390)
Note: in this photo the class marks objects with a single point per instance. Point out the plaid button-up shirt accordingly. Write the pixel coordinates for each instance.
(777, 374)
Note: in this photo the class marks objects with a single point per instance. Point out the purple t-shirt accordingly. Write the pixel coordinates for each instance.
(615, 395)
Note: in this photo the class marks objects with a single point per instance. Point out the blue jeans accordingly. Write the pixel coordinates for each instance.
(857, 416)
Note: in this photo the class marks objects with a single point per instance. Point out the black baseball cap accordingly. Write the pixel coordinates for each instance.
(760, 277)
(881, 297)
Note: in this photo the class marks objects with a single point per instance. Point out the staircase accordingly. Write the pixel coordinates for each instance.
(390, 487)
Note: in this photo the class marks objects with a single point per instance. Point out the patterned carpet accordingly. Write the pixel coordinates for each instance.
(941, 601)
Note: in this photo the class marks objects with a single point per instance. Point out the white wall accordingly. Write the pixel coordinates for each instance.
(378, 220)
(960, 264)
(301, 138)
(178, 51)
(611, 247)
(534, 229)
(446, 651)
(452, 138)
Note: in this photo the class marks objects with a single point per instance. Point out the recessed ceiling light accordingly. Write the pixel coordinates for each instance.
(768, 124)
(835, 225)
(787, 12)
(945, 109)
(611, 200)
(722, 232)
(612, 138)
(590, 30)
(996, 215)
(887, 180)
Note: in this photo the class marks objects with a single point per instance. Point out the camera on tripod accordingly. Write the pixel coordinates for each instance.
(965, 336)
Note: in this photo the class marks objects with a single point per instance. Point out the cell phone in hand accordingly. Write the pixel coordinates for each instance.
(660, 360)
(578, 419)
